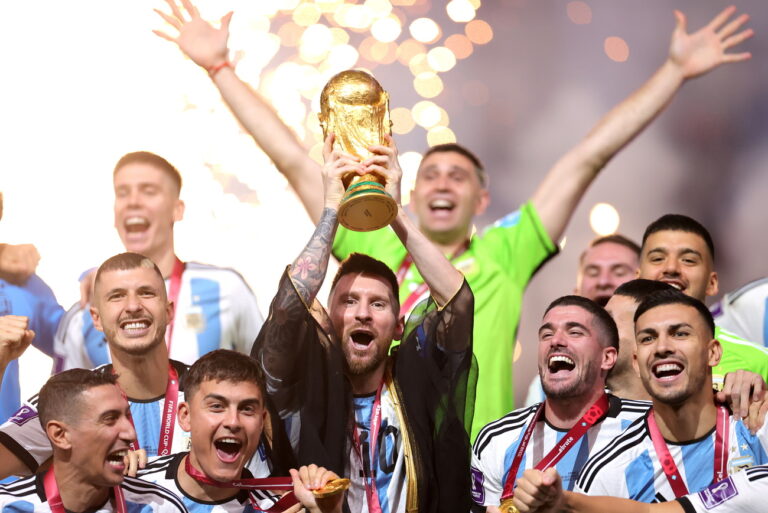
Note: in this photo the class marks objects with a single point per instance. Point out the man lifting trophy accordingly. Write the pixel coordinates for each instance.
(355, 108)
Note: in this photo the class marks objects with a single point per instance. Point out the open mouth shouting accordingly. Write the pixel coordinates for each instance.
(441, 207)
(667, 370)
(361, 339)
(116, 459)
(228, 449)
(560, 363)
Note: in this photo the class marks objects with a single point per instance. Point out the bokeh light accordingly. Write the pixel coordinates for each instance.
(441, 59)
(616, 49)
(579, 12)
(460, 45)
(426, 114)
(386, 29)
(479, 32)
(604, 219)
(428, 84)
(460, 11)
(440, 135)
(425, 30)
(402, 120)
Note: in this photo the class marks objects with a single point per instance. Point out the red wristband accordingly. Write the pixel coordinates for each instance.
(218, 67)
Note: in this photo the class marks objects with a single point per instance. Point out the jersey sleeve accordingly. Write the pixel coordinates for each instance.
(486, 482)
(23, 435)
(382, 244)
(520, 239)
(743, 492)
(47, 314)
(738, 354)
(69, 342)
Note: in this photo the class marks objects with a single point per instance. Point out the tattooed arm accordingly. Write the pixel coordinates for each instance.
(308, 270)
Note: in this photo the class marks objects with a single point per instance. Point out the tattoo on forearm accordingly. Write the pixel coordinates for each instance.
(308, 270)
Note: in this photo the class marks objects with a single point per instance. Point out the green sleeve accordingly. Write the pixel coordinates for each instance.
(739, 354)
(381, 244)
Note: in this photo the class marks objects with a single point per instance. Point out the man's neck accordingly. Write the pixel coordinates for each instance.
(76, 494)
(165, 260)
(450, 244)
(627, 386)
(688, 421)
(563, 413)
(142, 377)
(201, 491)
(364, 384)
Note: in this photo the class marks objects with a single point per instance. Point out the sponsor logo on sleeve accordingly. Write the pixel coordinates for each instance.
(23, 415)
(478, 491)
(718, 493)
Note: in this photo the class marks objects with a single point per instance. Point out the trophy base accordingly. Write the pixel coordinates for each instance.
(367, 210)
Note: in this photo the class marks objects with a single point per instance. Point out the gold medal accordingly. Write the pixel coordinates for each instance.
(506, 506)
(332, 487)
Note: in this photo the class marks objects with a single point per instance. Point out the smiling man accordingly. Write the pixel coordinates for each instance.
(131, 308)
(577, 348)
(699, 441)
(213, 306)
(87, 420)
(679, 251)
(225, 413)
(401, 432)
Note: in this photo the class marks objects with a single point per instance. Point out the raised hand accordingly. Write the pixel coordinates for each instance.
(198, 39)
(310, 478)
(337, 165)
(18, 262)
(704, 50)
(15, 337)
(384, 162)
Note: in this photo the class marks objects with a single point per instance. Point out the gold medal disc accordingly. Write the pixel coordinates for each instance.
(332, 487)
(506, 506)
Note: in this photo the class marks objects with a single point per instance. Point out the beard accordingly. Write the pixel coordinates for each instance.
(134, 349)
(584, 380)
(357, 366)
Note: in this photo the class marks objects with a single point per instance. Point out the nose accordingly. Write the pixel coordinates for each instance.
(127, 431)
(362, 312)
(558, 339)
(605, 279)
(664, 345)
(232, 419)
(133, 303)
(671, 267)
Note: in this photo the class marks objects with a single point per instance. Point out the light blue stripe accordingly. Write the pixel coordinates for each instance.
(10, 391)
(699, 463)
(206, 295)
(639, 478)
(146, 420)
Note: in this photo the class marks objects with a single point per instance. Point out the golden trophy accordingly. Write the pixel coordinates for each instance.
(355, 108)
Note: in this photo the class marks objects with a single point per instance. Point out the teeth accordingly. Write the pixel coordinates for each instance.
(135, 325)
(676, 285)
(561, 359)
(135, 220)
(668, 367)
(441, 203)
(229, 440)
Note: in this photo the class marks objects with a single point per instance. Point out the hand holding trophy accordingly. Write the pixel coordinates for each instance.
(355, 108)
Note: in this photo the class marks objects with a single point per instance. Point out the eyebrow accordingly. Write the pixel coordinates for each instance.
(568, 325)
(679, 325)
(221, 398)
(109, 413)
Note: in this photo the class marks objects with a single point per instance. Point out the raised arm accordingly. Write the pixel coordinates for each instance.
(15, 337)
(17, 263)
(207, 47)
(438, 273)
(690, 55)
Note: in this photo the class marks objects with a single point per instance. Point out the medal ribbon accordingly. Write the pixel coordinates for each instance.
(668, 463)
(173, 296)
(374, 506)
(264, 483)
(593, 414)
(414, 296)
(168, 421)
(54, 497)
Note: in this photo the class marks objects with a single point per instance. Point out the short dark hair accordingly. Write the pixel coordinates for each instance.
(603, 320)
(614, 239)
(146, 157)
(126, 262)
(359, 263)
(672, 296)
(680, 223)
(223, 365)
(59, 399)
(461, 150)
(640, 288)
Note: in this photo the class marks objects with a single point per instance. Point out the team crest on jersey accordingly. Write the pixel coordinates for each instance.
(718, 493)
(740, 463)
(478, 490)
(196, 320)
(23, 415)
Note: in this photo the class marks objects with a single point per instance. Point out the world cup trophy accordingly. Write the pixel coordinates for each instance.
(355, 108)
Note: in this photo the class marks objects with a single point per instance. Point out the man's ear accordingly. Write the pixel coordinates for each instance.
(715, 352)
(178, 211)
(712, 284)
(59, 434)
(483, 200)
(96, 317)
(635, 365)
(184, 418)
(400, 328)
(610, 354)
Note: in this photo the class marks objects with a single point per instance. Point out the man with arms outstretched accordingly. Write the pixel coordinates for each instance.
(400, 433)
(451, 187)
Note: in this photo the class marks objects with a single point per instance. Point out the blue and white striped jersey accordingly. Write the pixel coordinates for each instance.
(745, 311)
(388, 464)
(215, 310)
(743, 492)
(34, 300)
(23, 435)
(497, 443)
(164, 471)
(628, 466)
(27, 495)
